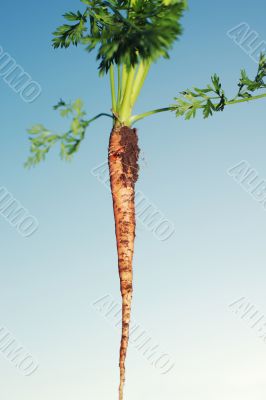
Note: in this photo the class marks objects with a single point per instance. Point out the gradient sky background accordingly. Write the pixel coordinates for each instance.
(182, 286)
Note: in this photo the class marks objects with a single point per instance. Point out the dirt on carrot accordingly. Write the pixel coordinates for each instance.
(130, 155)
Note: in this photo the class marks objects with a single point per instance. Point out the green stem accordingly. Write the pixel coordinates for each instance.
(98, 116)
(126, 106)
(112, 83)
(246, 99)
(139, 80)
(124, 81)
(138, 117)
(119, 91)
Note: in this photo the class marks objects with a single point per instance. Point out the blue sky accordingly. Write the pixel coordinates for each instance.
(216, 256)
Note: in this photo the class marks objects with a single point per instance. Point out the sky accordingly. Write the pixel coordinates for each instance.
(58, 284)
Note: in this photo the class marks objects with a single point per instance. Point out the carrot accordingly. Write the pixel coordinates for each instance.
(123, 168)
